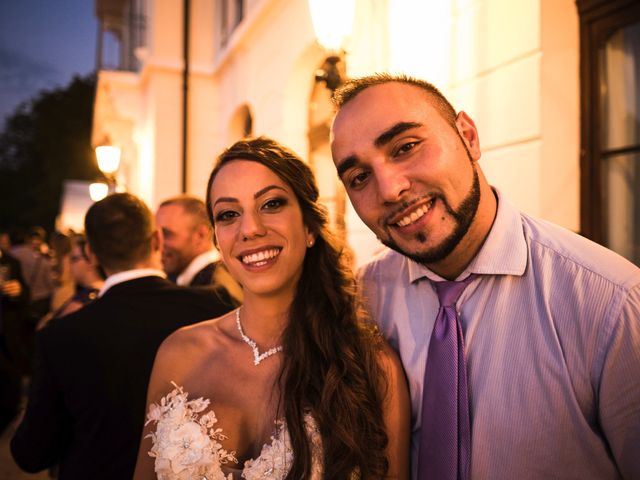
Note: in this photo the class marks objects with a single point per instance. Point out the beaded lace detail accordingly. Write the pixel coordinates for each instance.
(186, 444)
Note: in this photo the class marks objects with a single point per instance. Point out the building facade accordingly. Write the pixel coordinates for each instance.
(181, 80)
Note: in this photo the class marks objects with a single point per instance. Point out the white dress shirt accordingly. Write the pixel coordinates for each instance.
(127, 275)
(197, 264)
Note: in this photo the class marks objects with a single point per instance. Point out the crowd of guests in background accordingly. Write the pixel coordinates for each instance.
(46, 277)
(87, 393)
(31, 272)
(40, 279)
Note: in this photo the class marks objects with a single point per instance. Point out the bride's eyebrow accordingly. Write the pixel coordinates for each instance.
(256, 195)
(225, 200)
(266, 189)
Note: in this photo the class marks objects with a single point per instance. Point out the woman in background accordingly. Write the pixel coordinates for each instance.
(87, 278)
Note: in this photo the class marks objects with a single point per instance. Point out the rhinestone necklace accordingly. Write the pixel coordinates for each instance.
(257, 356)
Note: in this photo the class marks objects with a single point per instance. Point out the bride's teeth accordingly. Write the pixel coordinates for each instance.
(261, 257)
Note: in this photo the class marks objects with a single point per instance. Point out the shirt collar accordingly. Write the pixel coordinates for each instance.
(127, 275)
(504, 251)
(197, 264)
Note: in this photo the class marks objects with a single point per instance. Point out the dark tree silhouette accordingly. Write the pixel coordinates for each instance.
(45, 141)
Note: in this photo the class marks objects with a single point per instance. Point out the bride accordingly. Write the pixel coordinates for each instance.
(292, 384)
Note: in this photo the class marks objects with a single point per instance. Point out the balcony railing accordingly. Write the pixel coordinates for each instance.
(122, 32)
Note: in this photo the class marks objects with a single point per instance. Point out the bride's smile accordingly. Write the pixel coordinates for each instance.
(261, 257)
(259, 228)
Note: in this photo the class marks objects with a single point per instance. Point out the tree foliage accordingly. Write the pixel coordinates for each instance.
(46, 141)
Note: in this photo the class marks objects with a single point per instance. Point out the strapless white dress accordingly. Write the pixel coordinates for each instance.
(188, 446)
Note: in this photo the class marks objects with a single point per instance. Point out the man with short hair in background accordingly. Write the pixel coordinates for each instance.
(86, 406)
(188, 254)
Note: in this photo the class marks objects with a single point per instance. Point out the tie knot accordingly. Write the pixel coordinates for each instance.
(449, 292)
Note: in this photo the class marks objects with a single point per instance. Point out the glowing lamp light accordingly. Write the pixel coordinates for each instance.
(332, 21)
(97, 191)
(108, 158)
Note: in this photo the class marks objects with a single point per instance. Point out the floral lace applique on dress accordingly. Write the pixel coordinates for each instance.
(186, 447)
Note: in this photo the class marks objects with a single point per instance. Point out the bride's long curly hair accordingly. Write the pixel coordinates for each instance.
(330, 363)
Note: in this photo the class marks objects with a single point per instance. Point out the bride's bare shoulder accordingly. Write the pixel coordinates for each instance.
(185, 358)
(202, 336)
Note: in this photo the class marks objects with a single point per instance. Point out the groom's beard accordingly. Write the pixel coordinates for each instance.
(463, 217)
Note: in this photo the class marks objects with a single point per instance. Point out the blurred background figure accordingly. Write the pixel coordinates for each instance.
(13, 301)
(37, 268)
(188, 254)
(5, 241)
(60, 244)
(87, 279)
(189, 257)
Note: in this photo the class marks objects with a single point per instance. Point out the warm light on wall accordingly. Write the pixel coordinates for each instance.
(97, 191)
(420, 39)
(332, 21)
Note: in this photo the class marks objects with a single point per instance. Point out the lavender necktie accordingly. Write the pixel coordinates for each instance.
(445, 434)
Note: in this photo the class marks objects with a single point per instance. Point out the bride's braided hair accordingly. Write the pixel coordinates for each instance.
(330, 366)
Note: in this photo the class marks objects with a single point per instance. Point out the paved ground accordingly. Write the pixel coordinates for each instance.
(8, 469)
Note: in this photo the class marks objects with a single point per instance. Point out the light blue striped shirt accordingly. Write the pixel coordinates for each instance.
(552, 333)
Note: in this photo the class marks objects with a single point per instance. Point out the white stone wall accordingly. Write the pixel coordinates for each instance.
(511, 64)
(516, 74)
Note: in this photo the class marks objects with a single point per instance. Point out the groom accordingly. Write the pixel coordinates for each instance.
(544, 324)
(87, 401)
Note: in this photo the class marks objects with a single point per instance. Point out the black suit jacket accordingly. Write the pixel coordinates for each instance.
(87, 401)
(204, 278)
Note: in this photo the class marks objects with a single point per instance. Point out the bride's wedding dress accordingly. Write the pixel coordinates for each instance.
(187, 445)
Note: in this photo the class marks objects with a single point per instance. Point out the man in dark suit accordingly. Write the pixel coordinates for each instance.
(188, 254)
(87, 402)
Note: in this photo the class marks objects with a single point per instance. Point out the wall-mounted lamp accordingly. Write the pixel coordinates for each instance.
(98, 190)
(331, 72)
(108, 157)
(332, 22)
